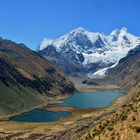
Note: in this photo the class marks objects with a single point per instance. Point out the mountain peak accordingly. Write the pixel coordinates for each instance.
(79, 30)
(82, 40)
(46, 42)
(116, 32)
(124, 29)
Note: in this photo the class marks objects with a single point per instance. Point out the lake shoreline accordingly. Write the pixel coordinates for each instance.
(73, 110)
(55, 108)
(78, 118)
(49, 107)
(81, 88)
(60, 99)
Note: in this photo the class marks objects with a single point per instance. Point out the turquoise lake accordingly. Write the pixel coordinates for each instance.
(78, 100)
(92, 100)
(37, 115)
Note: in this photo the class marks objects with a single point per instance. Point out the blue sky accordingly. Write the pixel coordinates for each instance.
(30, 21)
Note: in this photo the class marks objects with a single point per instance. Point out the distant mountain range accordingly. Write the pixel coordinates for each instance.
(83, 52)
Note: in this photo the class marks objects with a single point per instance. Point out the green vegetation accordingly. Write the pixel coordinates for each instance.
(13, 98)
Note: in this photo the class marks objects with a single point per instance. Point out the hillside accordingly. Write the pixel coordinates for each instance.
(27, 79)
(126, 73)
(123, 124)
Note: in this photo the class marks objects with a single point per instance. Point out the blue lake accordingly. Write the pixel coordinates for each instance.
(78, 100)
(37, 115)
(92, 100)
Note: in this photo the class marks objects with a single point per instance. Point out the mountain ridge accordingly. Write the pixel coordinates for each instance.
(27, 79)
(97, 50)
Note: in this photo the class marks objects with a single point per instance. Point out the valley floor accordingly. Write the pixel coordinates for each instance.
(65, 128)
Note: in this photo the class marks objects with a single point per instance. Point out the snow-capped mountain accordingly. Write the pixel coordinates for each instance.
(79, 40)
(88, 52)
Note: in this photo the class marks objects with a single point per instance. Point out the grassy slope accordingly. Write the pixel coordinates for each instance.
(13, 99)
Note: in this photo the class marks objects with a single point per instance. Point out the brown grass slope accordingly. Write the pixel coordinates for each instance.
(26, 78)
